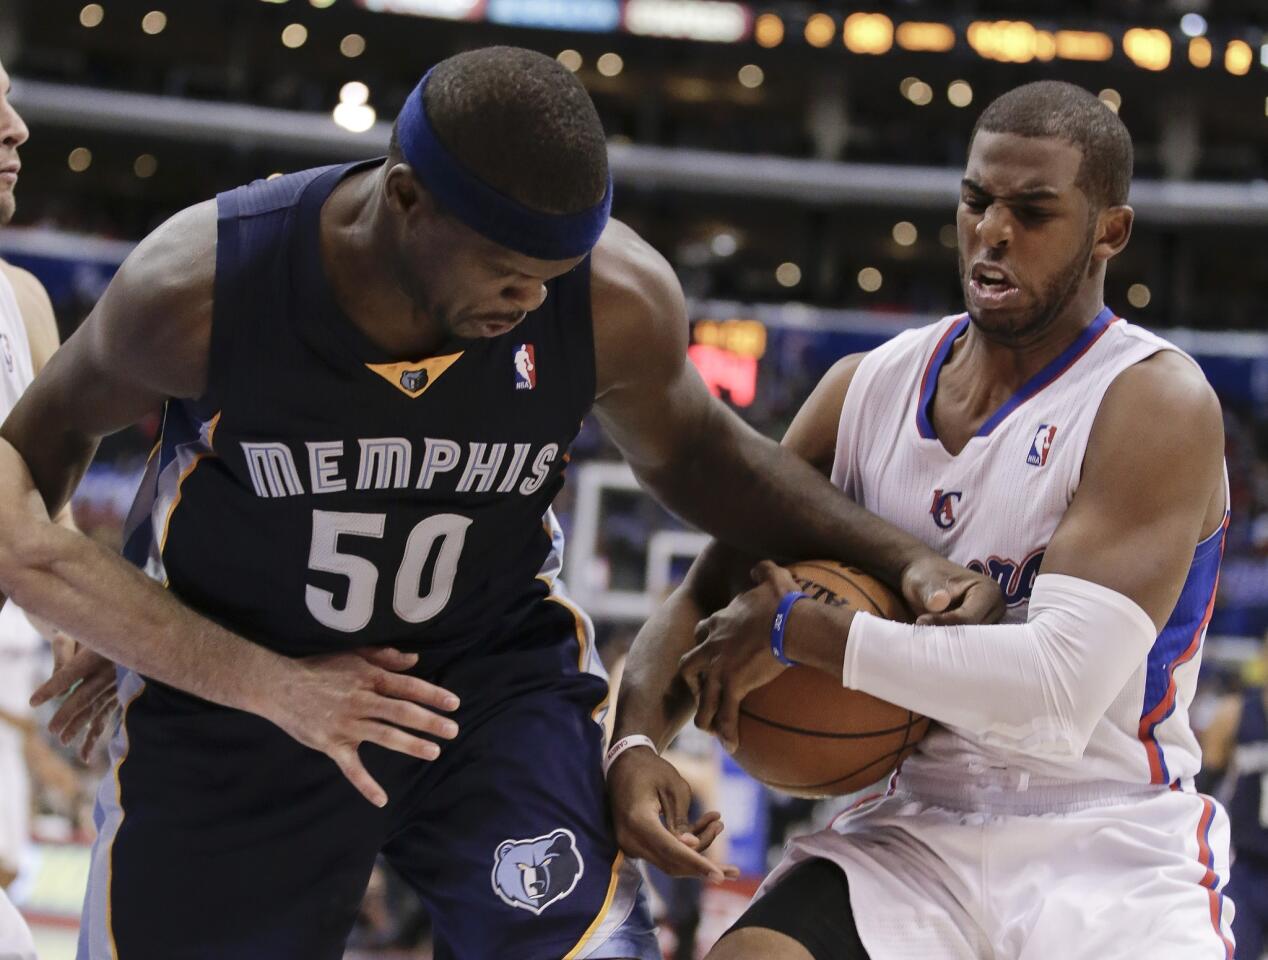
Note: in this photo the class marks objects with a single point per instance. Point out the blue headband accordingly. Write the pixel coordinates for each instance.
(544, 236)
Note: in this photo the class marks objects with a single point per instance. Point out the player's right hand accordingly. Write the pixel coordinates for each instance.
(336, 702)
(650, 800)
(87, 682)
(943, 593)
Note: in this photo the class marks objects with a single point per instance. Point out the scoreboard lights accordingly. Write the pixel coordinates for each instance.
(1148, 49)
(437, 9)
(746, 338)
(709, 20)
(726, 354)
(925, 37)
(869, 33)
(596, 16)
(864, 33)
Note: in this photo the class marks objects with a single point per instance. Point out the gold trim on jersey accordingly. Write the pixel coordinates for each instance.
(603, 911)
(198, 458)
(413, 378)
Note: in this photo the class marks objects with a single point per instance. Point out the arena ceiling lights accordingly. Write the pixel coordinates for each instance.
(862, 32)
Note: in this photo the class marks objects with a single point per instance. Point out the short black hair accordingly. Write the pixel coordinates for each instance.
(522, 123)
(1051, 108)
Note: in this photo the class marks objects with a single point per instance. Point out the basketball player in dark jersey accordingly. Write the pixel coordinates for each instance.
(371, 374)
(1236, 741)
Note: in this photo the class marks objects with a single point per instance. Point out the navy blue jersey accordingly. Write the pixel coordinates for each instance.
(1248, 777)
(324, 495)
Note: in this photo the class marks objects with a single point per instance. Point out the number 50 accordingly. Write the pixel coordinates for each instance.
(410, 604)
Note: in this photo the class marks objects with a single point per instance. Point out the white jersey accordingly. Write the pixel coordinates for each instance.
(16, 372)
(994, 506)
(16, 638)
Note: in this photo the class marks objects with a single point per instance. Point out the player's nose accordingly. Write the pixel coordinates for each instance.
(13, 130)
(526, 296)
(994, 229)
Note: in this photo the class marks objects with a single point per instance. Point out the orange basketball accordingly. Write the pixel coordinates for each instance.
(805, 734)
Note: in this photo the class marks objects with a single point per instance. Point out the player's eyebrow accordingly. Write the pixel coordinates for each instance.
(1031, 195)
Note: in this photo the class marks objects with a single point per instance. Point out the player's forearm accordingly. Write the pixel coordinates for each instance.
(652, 699)
(52, 464)
(110, 606)
(1038, 687)
(754, 494)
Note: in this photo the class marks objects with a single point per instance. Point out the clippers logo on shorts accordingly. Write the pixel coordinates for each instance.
(943, 508)
(1041, 445)
(525, 367)
(6, 350)
(533, 874)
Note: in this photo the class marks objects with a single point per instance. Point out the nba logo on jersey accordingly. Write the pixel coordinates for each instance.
(6, 350)
(943, 508)
(1041, 445)
(525, 367)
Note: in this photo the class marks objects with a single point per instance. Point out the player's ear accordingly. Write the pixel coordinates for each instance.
(403, 193)
(1113, 230)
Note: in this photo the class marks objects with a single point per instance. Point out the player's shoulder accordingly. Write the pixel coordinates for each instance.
(627, 274)
(636, 303)
(35, 310)
(1167, 383)
(20, 279)
(171, 272)
(158, 307)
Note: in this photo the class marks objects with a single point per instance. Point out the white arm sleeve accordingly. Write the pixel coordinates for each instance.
(1037, 688)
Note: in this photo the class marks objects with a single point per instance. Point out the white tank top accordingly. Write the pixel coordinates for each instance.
(19, 643)
(16, 372)
(994, 506)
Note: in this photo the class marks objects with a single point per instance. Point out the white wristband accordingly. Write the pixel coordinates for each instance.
(627, 743)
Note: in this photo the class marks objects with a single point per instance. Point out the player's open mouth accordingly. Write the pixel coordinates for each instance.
(992, 286)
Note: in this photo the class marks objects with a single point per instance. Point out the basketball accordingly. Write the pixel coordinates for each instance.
(803, 733)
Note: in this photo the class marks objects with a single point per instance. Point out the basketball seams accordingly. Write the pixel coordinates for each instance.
(898, 754)
(772, 753)
(840, 575)
(903, 728)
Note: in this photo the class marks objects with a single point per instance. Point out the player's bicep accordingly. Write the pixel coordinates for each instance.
(1152, 468)
(650, 398)
(813, 433)
(146, 340)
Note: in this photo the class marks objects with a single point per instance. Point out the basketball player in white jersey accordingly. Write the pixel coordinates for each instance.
(1077, 459)
(28, 336)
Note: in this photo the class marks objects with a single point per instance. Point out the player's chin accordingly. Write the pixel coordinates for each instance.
(488, 327)
(8, 206)
(1006, 320)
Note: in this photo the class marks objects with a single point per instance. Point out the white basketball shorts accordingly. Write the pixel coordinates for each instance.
(951, 871)
(15, 938)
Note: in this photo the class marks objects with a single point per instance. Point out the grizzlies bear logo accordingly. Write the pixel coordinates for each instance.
(413, 380)
(533, 874)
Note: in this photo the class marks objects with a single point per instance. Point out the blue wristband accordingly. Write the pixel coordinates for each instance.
(780, 623)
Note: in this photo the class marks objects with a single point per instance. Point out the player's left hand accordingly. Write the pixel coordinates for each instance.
(734, 655)
(87, 681)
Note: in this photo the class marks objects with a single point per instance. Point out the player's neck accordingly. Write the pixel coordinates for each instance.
(1007, 364)
(359, 265)
(983, 373)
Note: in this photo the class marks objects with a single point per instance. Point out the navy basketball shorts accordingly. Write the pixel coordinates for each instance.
(221, 838)
(1248, 889)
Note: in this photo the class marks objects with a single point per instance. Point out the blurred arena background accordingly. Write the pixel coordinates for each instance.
(798, 164)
